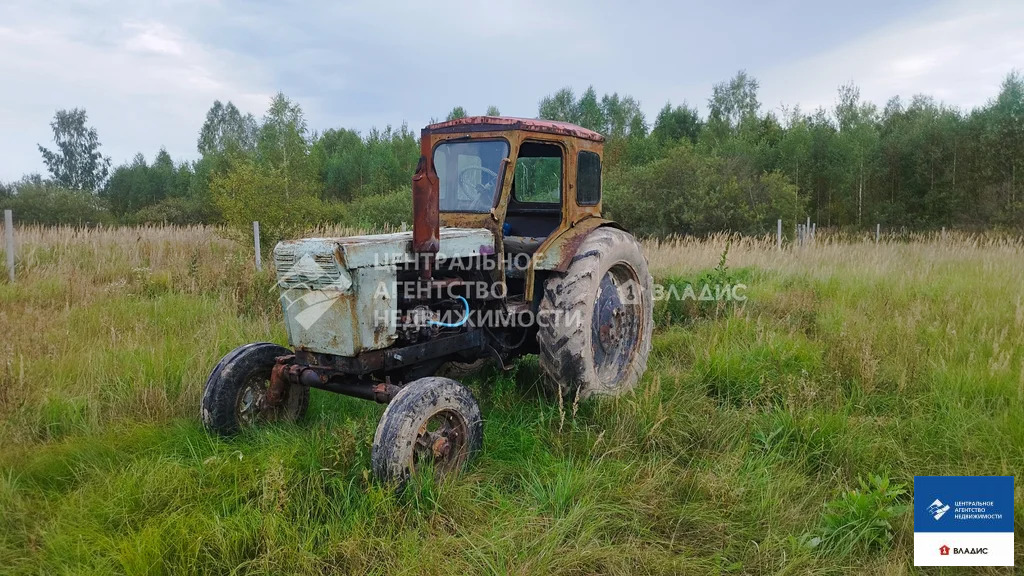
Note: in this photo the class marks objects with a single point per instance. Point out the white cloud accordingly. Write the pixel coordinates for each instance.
(144, 84)
(958, 52)
(147, 72)
(153, 37)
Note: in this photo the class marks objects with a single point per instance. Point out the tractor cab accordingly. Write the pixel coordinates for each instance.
(535, 184)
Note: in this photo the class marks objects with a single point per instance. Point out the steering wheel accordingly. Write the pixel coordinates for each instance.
(477, 196)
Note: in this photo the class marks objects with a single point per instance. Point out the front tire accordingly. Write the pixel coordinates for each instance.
(235, 393)
(599, 317)
(430, 422)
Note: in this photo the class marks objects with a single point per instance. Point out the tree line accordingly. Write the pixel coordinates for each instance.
(917, 164)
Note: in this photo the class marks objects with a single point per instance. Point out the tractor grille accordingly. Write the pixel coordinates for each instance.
(284, 260)
(310, 270)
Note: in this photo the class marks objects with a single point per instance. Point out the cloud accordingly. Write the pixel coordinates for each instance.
(958, 52)
(145, 84)
(153, 38)
(147, 72)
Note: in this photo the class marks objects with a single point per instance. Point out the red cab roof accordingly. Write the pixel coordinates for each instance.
(489, 123)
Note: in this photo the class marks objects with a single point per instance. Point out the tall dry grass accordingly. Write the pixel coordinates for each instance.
(831, 253)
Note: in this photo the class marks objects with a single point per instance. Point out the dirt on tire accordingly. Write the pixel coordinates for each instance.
(232, 374)
(406, 419)
(608, 278)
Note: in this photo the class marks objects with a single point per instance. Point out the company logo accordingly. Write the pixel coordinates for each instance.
(972, 524)
(937, 509)
(956, 551)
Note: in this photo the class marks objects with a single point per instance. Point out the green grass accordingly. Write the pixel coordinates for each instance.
(771, 436)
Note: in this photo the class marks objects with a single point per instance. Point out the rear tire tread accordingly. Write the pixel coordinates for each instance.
(566, 354)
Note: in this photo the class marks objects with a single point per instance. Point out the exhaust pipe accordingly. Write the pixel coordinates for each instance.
(426, 225)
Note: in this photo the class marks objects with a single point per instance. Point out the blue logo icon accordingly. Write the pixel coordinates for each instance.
(963, 504)
(937, 509)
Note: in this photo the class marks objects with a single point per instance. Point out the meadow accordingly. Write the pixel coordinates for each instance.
(778, 435)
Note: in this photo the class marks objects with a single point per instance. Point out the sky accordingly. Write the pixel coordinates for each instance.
(147, 72)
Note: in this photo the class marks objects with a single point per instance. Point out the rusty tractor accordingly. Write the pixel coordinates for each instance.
(508, 255)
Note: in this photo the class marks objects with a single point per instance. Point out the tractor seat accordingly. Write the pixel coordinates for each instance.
(523, 244)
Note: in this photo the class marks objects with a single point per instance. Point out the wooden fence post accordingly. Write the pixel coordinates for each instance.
(778, 234)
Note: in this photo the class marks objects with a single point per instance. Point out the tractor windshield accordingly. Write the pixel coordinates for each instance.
(468, 174)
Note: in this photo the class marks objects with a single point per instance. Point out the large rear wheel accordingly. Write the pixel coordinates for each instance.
(597, 318)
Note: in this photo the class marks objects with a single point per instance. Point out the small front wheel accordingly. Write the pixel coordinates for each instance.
(431, 422)
(236, 392)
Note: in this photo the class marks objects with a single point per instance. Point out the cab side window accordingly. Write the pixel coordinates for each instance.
(588, 178)
(538, 177)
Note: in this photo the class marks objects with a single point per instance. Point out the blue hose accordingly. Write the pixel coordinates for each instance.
(460, 323)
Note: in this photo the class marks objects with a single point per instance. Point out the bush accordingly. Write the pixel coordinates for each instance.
(688, 193)
(391, 209)
(181, 211)
(334, 213)
(37, 202)
(248, 191)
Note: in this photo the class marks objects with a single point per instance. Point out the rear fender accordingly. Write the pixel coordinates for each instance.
(557, 252)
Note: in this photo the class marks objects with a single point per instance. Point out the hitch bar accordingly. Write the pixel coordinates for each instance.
(394, 358)
(287, 373)
(342, 374)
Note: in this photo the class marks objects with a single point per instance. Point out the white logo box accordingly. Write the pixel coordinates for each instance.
(999, 545)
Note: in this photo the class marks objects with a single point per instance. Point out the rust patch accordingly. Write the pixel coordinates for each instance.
(279, 380)
(495, 123)
(425, 224)
(557, 252)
